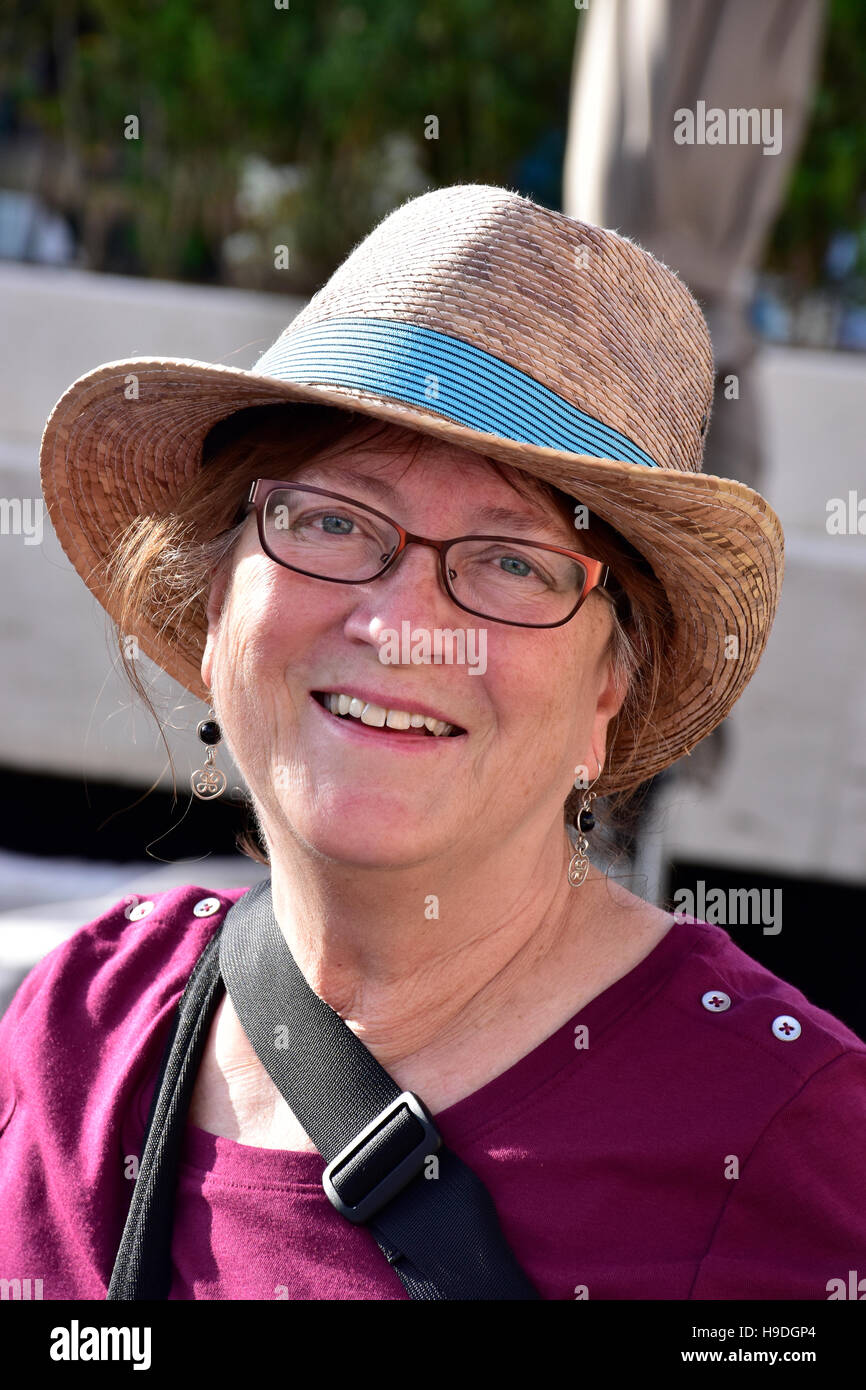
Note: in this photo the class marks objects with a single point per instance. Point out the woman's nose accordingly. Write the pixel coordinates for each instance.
(411, 590)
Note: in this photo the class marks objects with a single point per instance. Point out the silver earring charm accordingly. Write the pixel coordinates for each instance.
(584, 821)
(208, 782)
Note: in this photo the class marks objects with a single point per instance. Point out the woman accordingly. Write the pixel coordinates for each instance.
(653, 1113)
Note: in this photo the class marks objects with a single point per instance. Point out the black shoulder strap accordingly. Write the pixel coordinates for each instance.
(142, 1269)
(386, 1165)
(387, 1168)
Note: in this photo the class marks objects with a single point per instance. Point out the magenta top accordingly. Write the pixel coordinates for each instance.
(662, 1144)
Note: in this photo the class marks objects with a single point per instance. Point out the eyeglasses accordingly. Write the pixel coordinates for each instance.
(505, 580)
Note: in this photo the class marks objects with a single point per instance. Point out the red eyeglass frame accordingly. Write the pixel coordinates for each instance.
(598, 574)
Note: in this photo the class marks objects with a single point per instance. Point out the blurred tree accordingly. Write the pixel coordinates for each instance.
(335, 97)
(827, 193)
(301, 126)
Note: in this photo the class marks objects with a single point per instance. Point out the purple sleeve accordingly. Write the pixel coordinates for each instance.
(81, 1039)
(794, 1223)
(21, 1000)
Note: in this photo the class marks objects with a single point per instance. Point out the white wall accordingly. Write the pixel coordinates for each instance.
(792, 797)
(64, 707)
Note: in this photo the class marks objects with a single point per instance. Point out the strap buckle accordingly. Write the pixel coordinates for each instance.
(403, 1117)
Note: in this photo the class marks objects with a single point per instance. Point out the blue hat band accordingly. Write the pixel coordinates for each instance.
(418, 366)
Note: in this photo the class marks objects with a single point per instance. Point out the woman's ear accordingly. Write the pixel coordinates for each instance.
(611, 695)
(613, 692)
(215, 603)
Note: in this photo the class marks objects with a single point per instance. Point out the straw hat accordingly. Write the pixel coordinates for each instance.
(476, 316)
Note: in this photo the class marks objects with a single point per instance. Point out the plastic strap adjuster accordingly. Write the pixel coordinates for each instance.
(399, 1176)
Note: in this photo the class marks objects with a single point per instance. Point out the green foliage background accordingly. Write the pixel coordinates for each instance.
(827, 192)
(340, 93)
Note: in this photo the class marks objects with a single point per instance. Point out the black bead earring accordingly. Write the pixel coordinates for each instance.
(584, 822)
(208, 781)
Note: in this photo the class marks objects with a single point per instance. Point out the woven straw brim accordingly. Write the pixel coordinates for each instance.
(714, 544)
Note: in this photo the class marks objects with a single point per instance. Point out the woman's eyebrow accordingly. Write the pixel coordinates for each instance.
(356, 483)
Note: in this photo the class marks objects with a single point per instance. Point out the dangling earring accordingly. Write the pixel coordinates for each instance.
(208, 781)
(584, 821)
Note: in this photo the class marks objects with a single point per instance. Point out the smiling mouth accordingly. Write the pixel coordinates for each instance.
(423, 732)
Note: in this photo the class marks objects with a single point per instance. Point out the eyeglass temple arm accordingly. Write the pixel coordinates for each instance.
(245, 507)
(611, 589)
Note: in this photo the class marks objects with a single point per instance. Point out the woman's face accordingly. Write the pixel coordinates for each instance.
(358, 795)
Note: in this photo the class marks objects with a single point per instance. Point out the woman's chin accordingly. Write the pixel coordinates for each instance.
(378, 831)
(390, 848)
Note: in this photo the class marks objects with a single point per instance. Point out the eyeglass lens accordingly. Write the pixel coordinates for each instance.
(512, 581)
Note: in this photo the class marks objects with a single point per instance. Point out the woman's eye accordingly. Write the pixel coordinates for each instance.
(514, 565)
(519, 567)
(332, 523)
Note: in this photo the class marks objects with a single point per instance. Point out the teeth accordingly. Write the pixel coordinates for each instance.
(372, 714)
(398, 719)
(377, 717)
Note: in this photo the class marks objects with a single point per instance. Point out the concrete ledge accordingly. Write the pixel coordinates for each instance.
(59, 324)
(792, 795)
